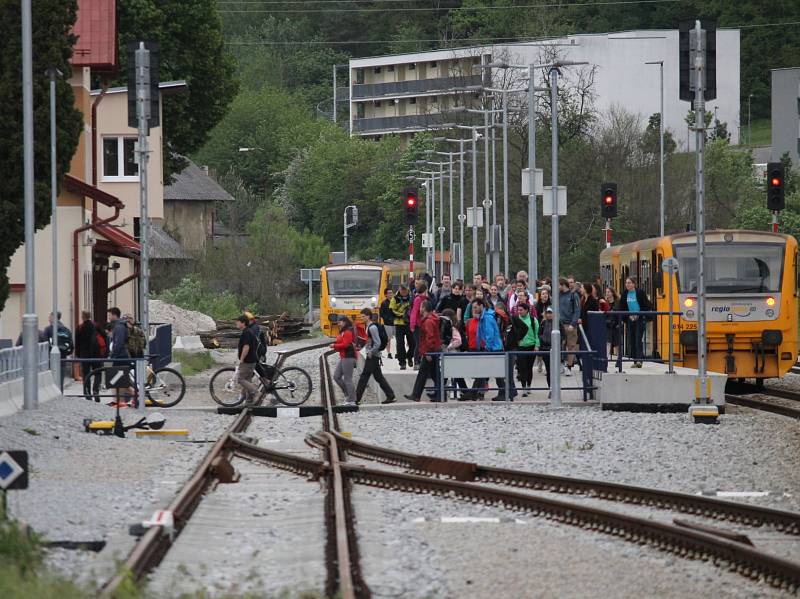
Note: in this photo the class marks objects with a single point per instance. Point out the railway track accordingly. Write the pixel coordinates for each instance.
(738, 392)
(452, 479)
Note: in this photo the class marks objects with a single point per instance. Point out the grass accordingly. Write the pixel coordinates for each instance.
(761, 134)
(192, 363)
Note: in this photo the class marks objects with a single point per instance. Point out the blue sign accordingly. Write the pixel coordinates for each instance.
(13, 470)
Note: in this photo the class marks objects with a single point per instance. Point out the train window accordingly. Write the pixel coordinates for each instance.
(732, 268)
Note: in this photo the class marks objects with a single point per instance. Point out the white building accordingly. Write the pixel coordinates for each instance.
(404, 93)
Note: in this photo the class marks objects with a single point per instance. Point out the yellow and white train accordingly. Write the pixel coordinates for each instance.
(751, 298)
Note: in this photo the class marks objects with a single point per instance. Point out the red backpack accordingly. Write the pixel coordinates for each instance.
(102, 346)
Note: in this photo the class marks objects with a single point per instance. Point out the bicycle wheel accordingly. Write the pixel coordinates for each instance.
(96, 379)
(224, 389)
(292, 386)
(167, 388)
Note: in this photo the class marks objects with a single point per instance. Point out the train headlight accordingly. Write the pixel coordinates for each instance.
(374, 301)
(688, 302)
(333, 301)
(770, 301)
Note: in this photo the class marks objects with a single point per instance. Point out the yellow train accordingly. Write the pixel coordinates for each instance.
(751, 298)
(346, 289)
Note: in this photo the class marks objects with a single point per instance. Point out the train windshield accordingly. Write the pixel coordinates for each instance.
(732, 267)
(354, 282)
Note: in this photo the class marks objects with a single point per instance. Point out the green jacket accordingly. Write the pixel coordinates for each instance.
(400, 307)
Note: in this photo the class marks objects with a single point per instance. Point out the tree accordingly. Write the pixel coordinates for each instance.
(52, 46)
(651, 142)
(192, 48)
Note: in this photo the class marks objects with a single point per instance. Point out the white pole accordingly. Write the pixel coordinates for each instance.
(555, 337)
(143, 102)
(345, 235)
(461, 215)
(661, 157)
(30, 324)
(474, 202)
(505, 180)
(55, 354)
(533, 225)
(441, 220)
(450, 246)
(700, 140)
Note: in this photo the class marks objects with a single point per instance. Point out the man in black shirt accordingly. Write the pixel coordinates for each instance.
(387, 319)
(455, 301)
(248, 357)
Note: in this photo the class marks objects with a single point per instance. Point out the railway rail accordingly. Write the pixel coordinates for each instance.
(738, 393)
(452, 479)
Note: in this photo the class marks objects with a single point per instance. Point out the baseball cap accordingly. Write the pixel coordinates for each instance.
(549, 309)
(545, 286)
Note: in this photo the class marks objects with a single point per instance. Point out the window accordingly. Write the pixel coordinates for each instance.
(434, 99)
(359, 111)
(377, 103)
(354, 282)
(412, 100)
(732, 268)
(412, 66)
(376, 70)
(119, 158)
(359, 76)
(390, 68)
(433, 64)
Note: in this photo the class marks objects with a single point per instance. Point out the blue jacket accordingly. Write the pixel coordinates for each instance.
(488, 332)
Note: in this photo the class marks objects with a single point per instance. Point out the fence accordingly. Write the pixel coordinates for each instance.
(11, 360)
(632, 337)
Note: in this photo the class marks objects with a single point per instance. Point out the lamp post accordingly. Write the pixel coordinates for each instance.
(749, 127)
(354, 210)
(660, 63)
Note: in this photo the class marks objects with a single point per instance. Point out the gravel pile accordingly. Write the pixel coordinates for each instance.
(184, 322)
(84, 487)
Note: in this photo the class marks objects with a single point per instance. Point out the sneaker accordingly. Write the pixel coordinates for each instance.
(562, 369)
(411, 361)
(349, 403)
(402, 366)
(568, 372)
(540, 369)
(389, 400)
(411, 398)
(389, 356)
(498, 398)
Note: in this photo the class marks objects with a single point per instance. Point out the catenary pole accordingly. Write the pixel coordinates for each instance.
(30, 324)
(474, 201)
(700, 141)
(441, 220)
(143, 103)
(504, 97)
(555, 337)
(533, 225)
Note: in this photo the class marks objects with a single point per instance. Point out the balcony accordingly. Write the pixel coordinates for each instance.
(410, 122)
(412, 87)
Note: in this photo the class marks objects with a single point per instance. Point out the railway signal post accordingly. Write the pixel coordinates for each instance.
(702, 410)
(775, 192)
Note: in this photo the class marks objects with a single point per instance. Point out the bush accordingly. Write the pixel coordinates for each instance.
(191, 294)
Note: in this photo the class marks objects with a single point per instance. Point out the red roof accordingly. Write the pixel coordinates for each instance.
(123, 244)
(96, 29)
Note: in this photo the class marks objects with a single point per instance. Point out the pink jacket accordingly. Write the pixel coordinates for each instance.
(414, 318)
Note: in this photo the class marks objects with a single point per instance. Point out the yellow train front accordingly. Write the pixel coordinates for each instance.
(751, 298)
(346, 289)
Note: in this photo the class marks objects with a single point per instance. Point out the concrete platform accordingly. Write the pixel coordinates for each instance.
(651, 388)
(402, 381)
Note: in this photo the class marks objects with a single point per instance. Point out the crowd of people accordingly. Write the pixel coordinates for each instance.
(424, 319)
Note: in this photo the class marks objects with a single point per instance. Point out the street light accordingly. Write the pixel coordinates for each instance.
(660, 63)
(55, 353)
(354, 211)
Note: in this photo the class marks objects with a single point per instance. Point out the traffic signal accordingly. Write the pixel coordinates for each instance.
(608, 200)
(410, 206)
(687, 52)
(775, 199)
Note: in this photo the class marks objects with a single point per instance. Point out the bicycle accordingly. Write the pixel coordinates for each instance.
(291, 386)
(164, 387)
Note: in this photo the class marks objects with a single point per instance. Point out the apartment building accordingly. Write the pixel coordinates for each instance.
(786, 114)
(407, 93)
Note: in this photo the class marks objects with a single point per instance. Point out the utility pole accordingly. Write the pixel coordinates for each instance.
(441, 220)
(474, 201)
(55, 353)
(504, 97)
(533, 233)
(143, 103)
(555, 336)
(30, 322)
(334, 94)
(660, 64)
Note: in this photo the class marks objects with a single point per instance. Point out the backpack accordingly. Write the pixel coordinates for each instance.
(446, 331)
(136, 341)
(382, 334)
(64, 340)
(100, 345)
(358, 340)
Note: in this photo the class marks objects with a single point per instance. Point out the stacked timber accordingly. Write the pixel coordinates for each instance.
(279, 328)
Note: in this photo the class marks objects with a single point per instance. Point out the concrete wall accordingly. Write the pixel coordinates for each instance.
(190, 222)
(786, 113)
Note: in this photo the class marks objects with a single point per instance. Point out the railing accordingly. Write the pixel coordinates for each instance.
(413, 86)
(409, 121)
(631, 337)
(11, 361)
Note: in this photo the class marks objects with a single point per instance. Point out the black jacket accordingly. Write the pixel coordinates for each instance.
(641, 297)
(387, 318)
(545, 330)
(85, 342)
(516, 332)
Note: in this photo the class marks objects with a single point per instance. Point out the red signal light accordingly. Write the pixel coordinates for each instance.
(410, 201)
(775, 181)
(609, 199)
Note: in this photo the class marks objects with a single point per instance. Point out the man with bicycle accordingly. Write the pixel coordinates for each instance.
(248, 357)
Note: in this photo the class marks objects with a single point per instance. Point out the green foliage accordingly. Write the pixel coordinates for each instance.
(752, 213)
(192, 48)
(272, 122)
(651, 143)
(52, 46)
(194, 362)
(192, 294)
(761, 132)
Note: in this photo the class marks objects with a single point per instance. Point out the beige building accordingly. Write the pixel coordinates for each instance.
(407, 93)
(98, 217)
